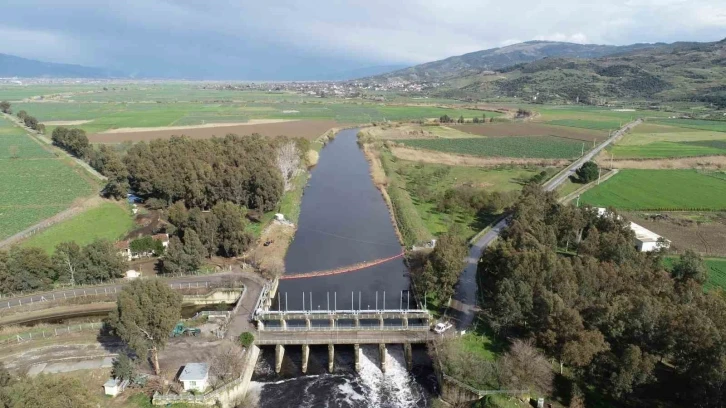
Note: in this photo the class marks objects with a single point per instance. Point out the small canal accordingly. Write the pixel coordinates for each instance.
(344, 221)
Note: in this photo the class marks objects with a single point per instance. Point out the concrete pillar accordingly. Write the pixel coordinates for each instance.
(380, 319)
(308, 323)
(331, 358)
(279, 354)
(405, 321)
(356, 355)
(357, 321)
(332, 322)
(283, 323)
(382, 351)
(408, 355)
(260, 325)
(305, 355)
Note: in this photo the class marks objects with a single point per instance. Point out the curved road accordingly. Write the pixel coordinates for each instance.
(464, 303)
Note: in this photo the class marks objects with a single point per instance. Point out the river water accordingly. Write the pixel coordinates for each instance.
(344, 221)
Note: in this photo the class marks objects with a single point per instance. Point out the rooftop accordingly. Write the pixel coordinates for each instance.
(643, 234)
(194, 372)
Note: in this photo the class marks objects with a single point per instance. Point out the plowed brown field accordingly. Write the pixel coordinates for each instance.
(308, 129)
(530, 129)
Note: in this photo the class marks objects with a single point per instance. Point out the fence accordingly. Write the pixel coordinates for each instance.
(48, 333)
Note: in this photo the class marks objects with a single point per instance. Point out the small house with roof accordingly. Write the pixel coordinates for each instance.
(195, 376)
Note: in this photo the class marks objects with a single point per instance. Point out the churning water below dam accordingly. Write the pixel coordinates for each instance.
(344, 221)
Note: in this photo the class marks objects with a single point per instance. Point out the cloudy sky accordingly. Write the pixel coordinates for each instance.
(296, 39)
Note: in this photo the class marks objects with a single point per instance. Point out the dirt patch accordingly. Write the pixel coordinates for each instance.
(702, 232)
(530, 129)
(308, 129)
(250, 122)
(67, 122)
(271, 256)
(704, 162)
(429, 156)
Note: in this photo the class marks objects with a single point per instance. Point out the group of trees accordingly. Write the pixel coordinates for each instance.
(26, 269)
(5, 107)
(588, 172)
(476, 119)
(610, 313)
(473, 200)
(48, 391)
(436, 274)
(200, 234)
(74, 141)
(30, 121)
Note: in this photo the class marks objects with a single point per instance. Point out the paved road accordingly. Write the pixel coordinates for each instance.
(181, 283)
(464, 303)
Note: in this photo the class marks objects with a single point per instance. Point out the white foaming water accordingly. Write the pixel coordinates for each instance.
(350, 397)
(395, 388)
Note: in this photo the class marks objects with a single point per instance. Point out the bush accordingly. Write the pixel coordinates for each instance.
(246, 339)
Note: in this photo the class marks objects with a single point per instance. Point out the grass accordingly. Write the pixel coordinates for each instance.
(108, 221)
(15, 144)
(587, 124)
(711, 125)
(660, 141)
(659, 190)
(540, 147)
(716, 271)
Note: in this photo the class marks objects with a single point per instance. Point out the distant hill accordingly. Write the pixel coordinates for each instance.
(12, 66)
(498, 58)
(675, 72)
(358, 73)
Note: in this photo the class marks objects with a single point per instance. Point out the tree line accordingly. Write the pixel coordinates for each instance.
(29, 121)
(31, 269)
(573, 282)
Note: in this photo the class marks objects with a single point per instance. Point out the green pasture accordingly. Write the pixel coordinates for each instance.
(716, 271)
(107, 221)
(659, 190)
(15, 144)
(660, 141)
(710, 125)
(541, 147)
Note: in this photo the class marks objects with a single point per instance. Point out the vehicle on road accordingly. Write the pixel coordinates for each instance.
(440, 328)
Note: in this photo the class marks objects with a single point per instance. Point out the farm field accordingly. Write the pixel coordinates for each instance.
(309, 129)
(426, 184)
(587, 124)
(15, 144)
(710, 125)
(703, 232)
(541, 147)
(659, 190)
(716, 271)
(653, 140)
(36, 185)
(531, 129)
(107, 221)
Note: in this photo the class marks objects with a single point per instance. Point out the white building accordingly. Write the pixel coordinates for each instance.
(132, 274)
(115, 386)
(195, 376)
(647, 240)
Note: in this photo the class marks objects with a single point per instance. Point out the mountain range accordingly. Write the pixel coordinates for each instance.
(12, 66)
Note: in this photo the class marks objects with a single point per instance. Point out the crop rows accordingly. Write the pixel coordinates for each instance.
(587, 124)
(540, 147)
(712, 125)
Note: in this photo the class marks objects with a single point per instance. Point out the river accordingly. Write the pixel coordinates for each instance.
(344, 221)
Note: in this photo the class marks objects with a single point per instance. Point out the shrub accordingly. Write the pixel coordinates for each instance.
(246, 339)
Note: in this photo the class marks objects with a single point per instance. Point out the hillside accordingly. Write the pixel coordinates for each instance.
(12, 66)
(498, 58)
(674, 72)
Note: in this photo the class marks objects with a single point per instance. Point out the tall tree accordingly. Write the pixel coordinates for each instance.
(448, 261)
(146, 312)
(67, 260)
(101, 262)
(588, 172)
(690, 265)
(231, 236)
(184, 257)
(5, 107)
(288, 161)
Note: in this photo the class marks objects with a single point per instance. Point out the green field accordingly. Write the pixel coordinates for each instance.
(716, 271)
(420, 184)
(711, 125)
(659, 190)
(36, 185)
(660, 141)
(539, 147)
(587, 124)
(107, 221)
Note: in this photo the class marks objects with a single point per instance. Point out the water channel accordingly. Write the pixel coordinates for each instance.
(344, 221)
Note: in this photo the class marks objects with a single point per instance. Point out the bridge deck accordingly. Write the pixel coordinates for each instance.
(342, 315)
(387, 336)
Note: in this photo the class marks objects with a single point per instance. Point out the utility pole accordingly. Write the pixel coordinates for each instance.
(577, 204)
(583, 149)
(599, 173)
(611, 161)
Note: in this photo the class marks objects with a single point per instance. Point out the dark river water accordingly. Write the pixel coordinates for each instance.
(344, 221)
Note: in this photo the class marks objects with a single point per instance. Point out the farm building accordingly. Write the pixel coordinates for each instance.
(647, 240)
(114, 386)
(195, 376)
(124, 247)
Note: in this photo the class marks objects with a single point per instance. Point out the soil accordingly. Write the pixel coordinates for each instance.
(702, 232)
(704, 162)
(279, 235)
(529, 129)
(204, 126)
(428, 156)
(308, 129)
